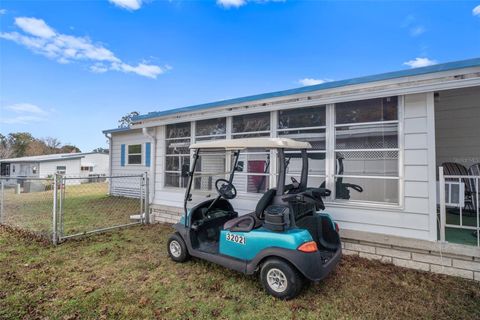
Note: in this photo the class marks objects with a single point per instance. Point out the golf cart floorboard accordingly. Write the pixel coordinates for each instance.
(209, 247)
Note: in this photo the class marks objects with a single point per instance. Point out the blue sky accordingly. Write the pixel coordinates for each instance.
(70, 69)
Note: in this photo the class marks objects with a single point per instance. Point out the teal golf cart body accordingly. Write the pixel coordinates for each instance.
(287, 239)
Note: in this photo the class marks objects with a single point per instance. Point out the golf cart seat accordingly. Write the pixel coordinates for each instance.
(254, 219)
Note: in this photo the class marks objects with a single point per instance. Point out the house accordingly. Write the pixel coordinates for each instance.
(81, 165)
(388, 133)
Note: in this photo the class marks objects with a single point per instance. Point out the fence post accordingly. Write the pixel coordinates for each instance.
(60, 208)
(54, 210)
(441, 192)
(147, 199)
(2, 199)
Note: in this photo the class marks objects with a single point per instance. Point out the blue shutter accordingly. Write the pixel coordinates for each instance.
(122, 155)
(147, 153)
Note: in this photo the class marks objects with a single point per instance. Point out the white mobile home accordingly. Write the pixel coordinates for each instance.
(81, 165)
(391, 134)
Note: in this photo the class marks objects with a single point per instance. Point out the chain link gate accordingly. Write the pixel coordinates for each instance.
(89, 205)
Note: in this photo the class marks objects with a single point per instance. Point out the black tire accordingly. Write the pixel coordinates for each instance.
(293, 280)
(177, 249)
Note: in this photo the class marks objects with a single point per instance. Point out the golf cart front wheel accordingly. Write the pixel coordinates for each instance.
(177, 249)
(280, 279)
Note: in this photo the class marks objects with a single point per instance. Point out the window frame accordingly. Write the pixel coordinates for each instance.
(167, 155)
(128, 154)
(61, 171)
(279, 130)
(331, 154)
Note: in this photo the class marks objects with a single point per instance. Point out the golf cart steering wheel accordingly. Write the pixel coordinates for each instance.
(226, 189)
(295, 182)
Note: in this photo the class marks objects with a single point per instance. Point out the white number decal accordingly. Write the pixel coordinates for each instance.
(235, 238)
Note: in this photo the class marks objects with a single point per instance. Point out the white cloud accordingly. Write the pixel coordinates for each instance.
(476, 11)
(417, 30)
(35, 27)
(3, 11)
(231, 3)
(127, 4)
(23, 113)
(21, 120)
(42, 39)
(312, 81)
(238, 3)
(420, 62)
(25, 108)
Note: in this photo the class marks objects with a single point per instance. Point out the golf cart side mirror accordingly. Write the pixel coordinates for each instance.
(239, 167)
(185, 170)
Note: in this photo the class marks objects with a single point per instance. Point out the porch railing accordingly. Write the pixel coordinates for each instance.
(455, 199)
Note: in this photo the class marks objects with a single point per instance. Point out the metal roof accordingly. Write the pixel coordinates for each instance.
(327, 85)
(116, 130)
(240, 144)
(49, 157)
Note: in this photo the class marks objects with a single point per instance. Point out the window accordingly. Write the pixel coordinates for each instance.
(61, 169)
(366, 150)
(177, 153)
(13, 168)
(211, 129)
(86, 168)
(134, 154)
(251, 125)
(255, 162)
(305, 124)
(210, 164)
(34, 170)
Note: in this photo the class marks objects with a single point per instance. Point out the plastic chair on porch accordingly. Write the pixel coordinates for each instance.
(457, 169)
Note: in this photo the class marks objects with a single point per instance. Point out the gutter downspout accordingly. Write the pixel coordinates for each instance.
(109, 137)
(154, 160)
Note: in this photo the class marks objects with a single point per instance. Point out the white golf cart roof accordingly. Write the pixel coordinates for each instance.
(239, 144)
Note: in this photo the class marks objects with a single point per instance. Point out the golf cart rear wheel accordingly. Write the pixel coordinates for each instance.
(280, 279)
(177, 250)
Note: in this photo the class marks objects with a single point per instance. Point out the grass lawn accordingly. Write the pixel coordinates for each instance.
(126, 274)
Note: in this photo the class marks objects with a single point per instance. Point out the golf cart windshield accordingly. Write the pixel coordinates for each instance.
(210, 167)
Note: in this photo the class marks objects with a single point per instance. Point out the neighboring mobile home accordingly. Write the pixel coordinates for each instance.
(81, 165)
(389, 133)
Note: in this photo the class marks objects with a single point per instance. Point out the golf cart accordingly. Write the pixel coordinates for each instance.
(285, 239)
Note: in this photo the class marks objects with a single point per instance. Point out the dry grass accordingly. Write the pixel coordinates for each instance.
(126, 274)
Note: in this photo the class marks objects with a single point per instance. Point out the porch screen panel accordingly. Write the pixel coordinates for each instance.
(177, 153)
(367, 150)
(255, 162)
(211, 164)
(305, 124)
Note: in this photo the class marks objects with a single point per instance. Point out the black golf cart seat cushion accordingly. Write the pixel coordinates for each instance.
(254, 219)
(264, 202)
(243, 223)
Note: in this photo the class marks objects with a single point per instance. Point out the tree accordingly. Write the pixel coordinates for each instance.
(126, 120)
(68, 148)
(5, 147)
(36, 148)
(53, 144)
(101, 150)
(19, 142)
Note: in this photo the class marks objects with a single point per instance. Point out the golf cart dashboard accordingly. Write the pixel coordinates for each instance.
(204, 214)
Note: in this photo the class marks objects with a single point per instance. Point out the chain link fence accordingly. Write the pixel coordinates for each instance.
(59, 208)
(27, 204)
